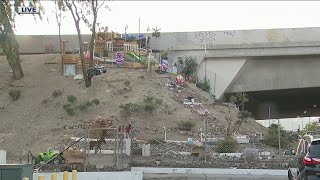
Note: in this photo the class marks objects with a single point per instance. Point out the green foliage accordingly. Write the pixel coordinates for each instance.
(272, 138)
(228, 145)
(191, 66)
(243, 115)
(186, 125)
(96, 102)
(71, 106)
(127, 83)
(70, 111)
(148, 104)
(82, 107)
(88, 103)
(164, 54)
(15, 94)
(156, 32)
(204, 85)
(309, 128)
(71, 99)
(312, 127)
(65, 106)
(57, 93)
(239, 98)
(159, 101)
(233, 99)
(156, 141)
(130, 107)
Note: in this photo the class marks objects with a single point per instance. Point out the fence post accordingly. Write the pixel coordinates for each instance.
(40, 177)
(54, 176)
(74, 175)
(65, 175)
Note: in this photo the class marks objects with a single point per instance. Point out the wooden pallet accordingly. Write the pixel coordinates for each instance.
(71, 58)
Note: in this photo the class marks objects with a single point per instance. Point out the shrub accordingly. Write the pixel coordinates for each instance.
(57, 92)
(82, 107)
(71, 98)
(44, 101)
(245, 115)
(186, 125)
(127, 83)
(272, 138)
(88, 103)
(15, 94)
(156, 141)
(204, 85)
(159, 101)
(191, 65)
(65, 106)
(228, 145)
(95, 101)
(130, 107)
(150, 104)
(70, 111)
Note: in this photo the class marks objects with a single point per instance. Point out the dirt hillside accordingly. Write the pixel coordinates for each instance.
(35, 121)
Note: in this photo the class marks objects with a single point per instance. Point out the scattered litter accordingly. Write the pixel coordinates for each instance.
(78, 77)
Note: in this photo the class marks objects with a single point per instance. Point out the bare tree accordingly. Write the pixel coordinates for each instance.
(94, 5)
(58, 15)
(8, 42)
(76, 9)
(156, 34)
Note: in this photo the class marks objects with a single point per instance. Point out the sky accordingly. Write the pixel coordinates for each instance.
(182, 16)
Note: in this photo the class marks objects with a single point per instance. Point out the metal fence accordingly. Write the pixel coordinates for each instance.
(96, 148)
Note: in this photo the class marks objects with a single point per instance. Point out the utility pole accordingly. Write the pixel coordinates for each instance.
(205, 142)
(279, 135)
(205, 58)
(125, 33)
(269, 116)
(139, 41)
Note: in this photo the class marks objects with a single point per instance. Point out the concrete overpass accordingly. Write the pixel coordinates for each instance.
(275, 67)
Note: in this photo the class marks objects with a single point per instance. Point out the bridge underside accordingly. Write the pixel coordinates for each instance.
(288, 103)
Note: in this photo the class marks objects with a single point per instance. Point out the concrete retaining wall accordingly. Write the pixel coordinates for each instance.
(97, 175)
(212, 171)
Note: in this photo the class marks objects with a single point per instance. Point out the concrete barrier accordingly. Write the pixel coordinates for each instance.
(209, 177)
(130, 175)
(212, 171)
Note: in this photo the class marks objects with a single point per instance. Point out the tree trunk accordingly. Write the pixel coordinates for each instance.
(13, 57)
(10, 46)
(84, 70)
(61, 51)
(14, 62)
(93, 36)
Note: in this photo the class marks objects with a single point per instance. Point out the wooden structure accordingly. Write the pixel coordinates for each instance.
(73, 157)
(74, 59)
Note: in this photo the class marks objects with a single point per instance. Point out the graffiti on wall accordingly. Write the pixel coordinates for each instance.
(207, 37)
(230, 33)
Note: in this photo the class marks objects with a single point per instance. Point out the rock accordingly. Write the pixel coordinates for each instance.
(1, 107)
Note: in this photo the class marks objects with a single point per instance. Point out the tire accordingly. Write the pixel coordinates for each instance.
(104, 71)
(302, 175)
(36, 160)
(290, 176)
(58, 160)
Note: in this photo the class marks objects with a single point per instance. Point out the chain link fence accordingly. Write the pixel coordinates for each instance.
(104, 147)
(223, 152)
